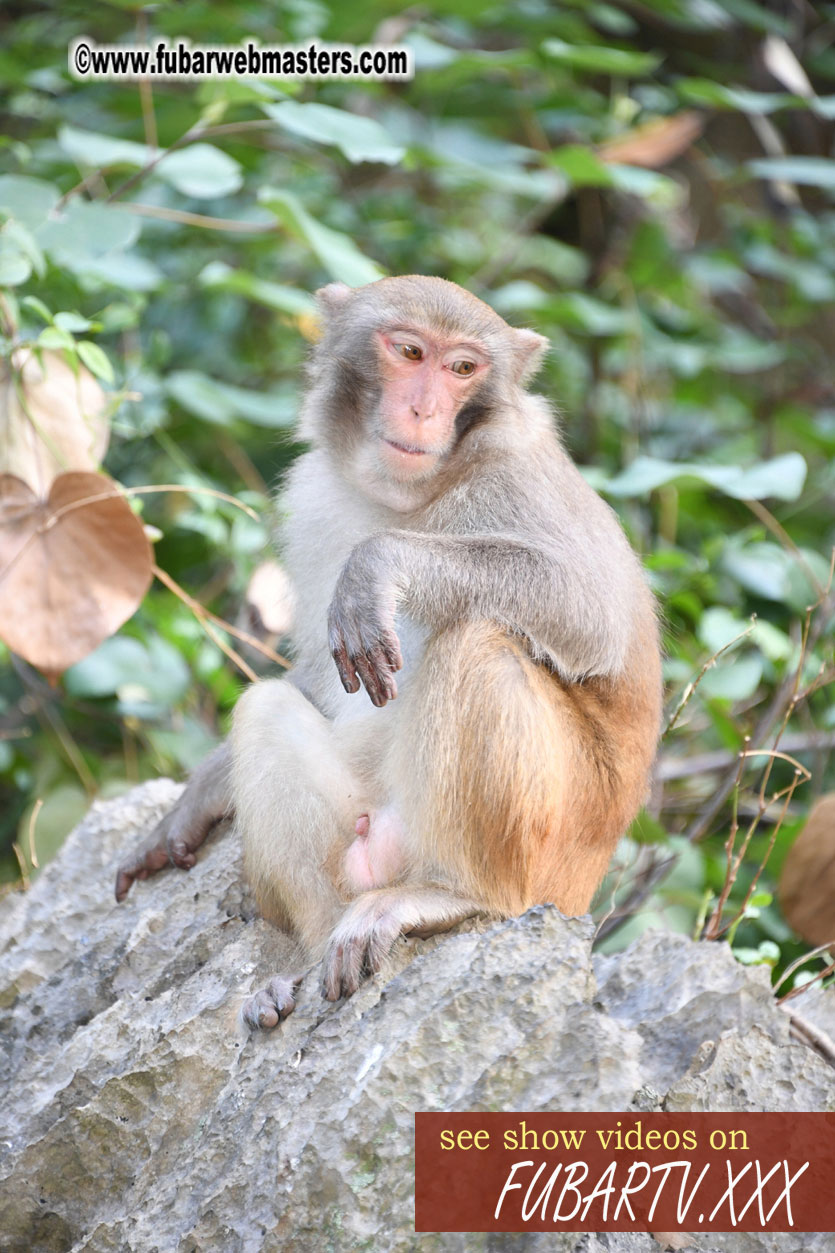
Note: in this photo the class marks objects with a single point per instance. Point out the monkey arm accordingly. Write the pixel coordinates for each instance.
(576, 612)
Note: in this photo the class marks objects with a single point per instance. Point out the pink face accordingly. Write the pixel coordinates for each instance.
(425, 382)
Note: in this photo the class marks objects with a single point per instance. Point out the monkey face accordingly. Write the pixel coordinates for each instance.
(405, 369)
(426, 380)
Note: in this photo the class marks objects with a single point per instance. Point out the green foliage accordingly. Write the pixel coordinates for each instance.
(169, 240)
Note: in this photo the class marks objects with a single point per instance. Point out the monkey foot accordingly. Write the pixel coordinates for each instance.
(271, 1004)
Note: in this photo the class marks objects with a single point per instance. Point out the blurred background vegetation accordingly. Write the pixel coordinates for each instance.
(649, 184)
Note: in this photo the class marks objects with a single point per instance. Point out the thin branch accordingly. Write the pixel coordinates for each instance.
(801, 961)
(802, 1029)
(820, 974)
(146, 94)
(670, 767)
(21, 861)
(202, 612)
(691, 687)
(202, 617)
(33, 819)
(779, 532)
(199, 219)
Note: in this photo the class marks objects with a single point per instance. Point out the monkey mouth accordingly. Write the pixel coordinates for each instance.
(410, 450)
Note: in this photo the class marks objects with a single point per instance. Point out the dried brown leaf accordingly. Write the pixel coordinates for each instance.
(270, 602)
(51, 420)
(807, 882)
(655, 143)
(73, 567)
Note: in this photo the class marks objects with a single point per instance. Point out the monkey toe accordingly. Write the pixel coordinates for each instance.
(144, 863)
(271, 1005)
(355, 956)
(181, 855)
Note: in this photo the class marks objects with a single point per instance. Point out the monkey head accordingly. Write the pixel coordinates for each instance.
(405, 369)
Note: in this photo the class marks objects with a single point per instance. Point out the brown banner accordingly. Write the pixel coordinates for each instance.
(624, 1172)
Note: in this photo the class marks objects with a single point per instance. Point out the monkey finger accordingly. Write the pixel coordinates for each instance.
(371, 680)
(391, 648)
(344, 665)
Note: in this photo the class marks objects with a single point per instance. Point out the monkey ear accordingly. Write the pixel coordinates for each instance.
(528, 350)
(332, 298)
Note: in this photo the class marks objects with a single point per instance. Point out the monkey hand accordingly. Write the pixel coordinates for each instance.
(361, 633)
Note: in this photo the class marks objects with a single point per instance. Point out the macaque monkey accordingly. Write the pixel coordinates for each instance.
(449, 558)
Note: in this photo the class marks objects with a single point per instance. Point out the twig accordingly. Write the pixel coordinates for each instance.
(645, 882)
(782, 703)
(691, 687)
(809, 1034)
(21, 861)
(770, 522)
(199, 219)
(670, 767)
(202, 612)
(146, 94)
(33, 818)
(801, 961)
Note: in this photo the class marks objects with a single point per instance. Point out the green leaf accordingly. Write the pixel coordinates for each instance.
(782, 477)
(218, 276)
(96, 360)
(647, 830)
(19, 254)
(53, 337)
(774, 574)
(809, 171)
(358, 138)
(72, 322)
(588, 314)
(602, 60)
(581, 166)
(38, 306)
(146, 678)
(718, 626)
(199, 170)
(705, 91)
(733, 680)
(337, 253)
(765, 954)
(29, 200)
(86, 230)
(91, 149)
(124, 270)
(222, 403)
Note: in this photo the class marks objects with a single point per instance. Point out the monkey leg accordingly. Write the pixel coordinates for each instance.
(503, 775)
(297, 801)
(486, 770)
(178, 835)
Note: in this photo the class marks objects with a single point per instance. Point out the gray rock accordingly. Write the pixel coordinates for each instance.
(138, 1116)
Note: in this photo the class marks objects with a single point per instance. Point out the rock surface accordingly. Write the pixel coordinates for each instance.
(137, 1115)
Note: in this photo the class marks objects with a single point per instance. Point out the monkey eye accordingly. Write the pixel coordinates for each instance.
(410, 351)
(463, 367)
